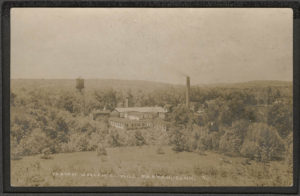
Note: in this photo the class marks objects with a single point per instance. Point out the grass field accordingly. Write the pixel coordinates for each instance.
(143, 166)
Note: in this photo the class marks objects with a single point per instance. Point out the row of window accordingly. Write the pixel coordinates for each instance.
(130, 125)
(134, 125)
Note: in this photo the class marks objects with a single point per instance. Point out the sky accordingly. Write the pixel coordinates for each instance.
(211, 45)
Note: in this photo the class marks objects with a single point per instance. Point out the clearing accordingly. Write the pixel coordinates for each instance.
(145, 166)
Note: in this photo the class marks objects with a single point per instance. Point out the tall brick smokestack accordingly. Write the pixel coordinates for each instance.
(126, 104)
(187, 93)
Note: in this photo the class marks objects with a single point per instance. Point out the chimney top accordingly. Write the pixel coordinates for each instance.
(187, 95)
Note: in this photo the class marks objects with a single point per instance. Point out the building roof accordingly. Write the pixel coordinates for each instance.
(135, 114)
(141, 109)
(101, 112)
(126, 120)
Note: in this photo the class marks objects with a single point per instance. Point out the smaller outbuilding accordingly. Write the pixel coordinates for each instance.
(100, 114)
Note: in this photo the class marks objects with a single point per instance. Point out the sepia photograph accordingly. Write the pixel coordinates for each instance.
(151, 97)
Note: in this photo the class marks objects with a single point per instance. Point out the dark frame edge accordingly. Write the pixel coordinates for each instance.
(6, 188)
(5, 51)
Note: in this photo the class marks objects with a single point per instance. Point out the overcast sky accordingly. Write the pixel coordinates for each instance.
(211, 45)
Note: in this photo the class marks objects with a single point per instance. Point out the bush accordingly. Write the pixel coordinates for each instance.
(34, 143)
(250, 149)
(139, 139)
(69, 102)
(113, 139)
(280, 115)
(15, 150)
(181, 116)
(263, 143)
(46, 153)
(231, 141)
(289, 150)
(45, 156)
(77, 142)
(160, 150)
(179, 139)
(101, 150)
(62, 128)
(66, 148)
(94, 140)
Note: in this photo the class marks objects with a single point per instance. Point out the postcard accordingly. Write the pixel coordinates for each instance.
(151, 97)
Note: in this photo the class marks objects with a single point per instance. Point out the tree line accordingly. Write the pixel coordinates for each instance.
(255, 122)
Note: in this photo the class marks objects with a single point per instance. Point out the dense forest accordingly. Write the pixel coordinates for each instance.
(253, 119)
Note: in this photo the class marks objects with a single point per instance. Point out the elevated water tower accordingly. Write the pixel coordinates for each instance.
(79, 84)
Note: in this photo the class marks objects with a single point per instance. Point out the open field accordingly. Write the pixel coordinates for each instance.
(144, 166)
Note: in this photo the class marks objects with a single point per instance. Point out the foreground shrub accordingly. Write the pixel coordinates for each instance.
(179, 139)
(114, 139)
(46, 153)
(95, 139)
(160, 150)
(45, 156)
(263, 143)
(231, 141)
(78, 142)
(101, 150)
(139, 139)
(34, 143)
(280, 115)
(289, 150)
(202, 139)
(15, 150)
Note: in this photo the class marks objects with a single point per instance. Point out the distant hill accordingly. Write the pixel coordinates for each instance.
(250, 84)
(93, 84)
(90, 84)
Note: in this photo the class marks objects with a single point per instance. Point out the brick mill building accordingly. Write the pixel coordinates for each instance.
(138, 118)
